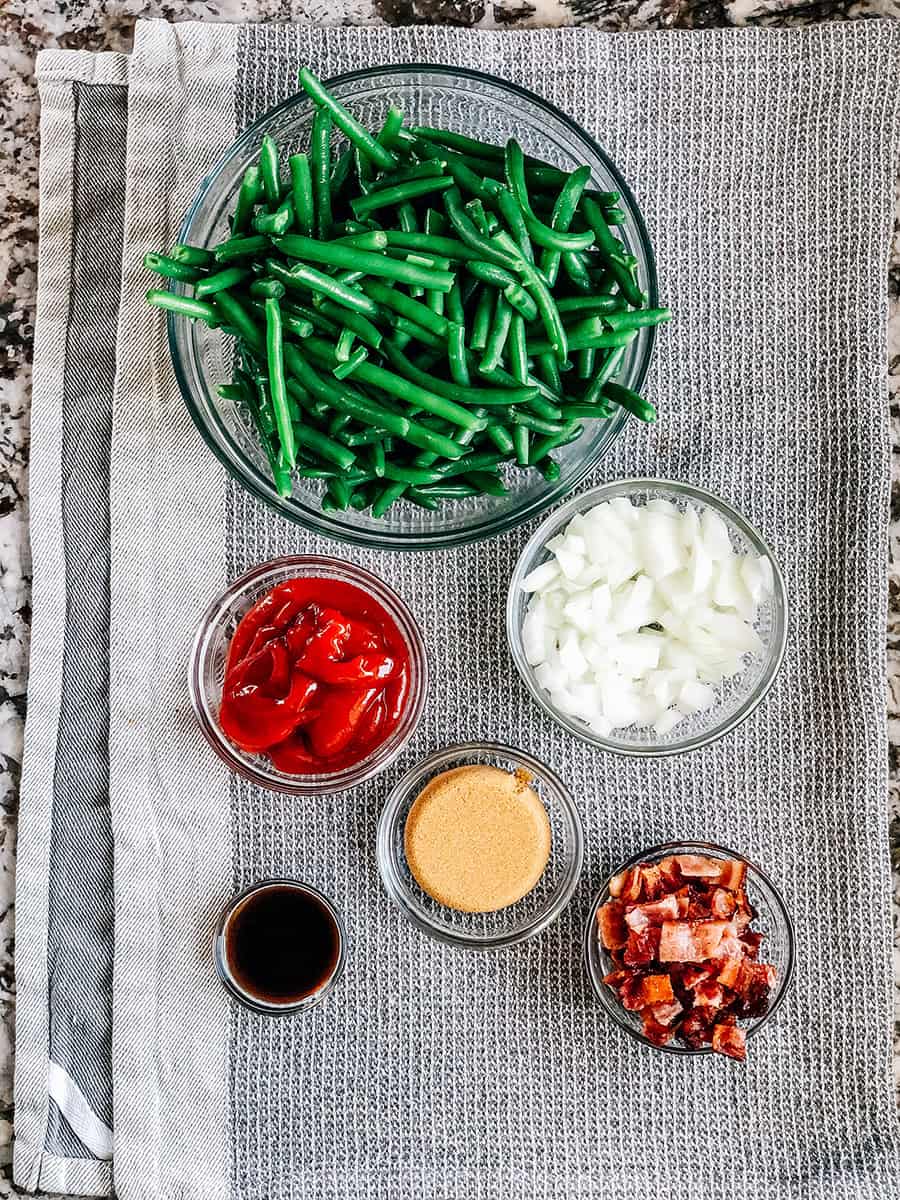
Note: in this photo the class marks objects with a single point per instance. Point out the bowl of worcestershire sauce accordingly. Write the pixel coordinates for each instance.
(280, 947)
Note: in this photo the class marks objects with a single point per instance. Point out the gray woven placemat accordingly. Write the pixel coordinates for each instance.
(764, 163)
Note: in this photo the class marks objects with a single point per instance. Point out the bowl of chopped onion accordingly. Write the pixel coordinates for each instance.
(647, 617)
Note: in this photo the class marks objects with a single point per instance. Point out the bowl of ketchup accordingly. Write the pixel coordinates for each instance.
(308, 675)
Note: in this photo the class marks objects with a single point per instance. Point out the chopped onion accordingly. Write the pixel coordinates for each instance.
(639, 611)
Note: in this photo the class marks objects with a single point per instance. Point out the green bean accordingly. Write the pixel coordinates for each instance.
(512, 214)
(241, 247)
(549, 468)
(386, 498)
(549, 370)
(361, 326)
(413, 310)
(586, 412)
(488, 272)
(298, 326)
(553, 239)
(630, 400)
(263, 421)
(399, 194)
(268, 170)
(497, 336)
(314, 473)
(333, 254)
(415, 394)
(276, 222)
(449, 491)
(456, 355)
(455, 308)
(320, 170)
(482, 319)
(543, 407)
(577, 272)
(340, 173)
(547, 310)
(432, 243)
(340, 493)
(247, 199)
(435, 223)
(372, 239)
(302, 276)
(379, 459)
(614, 216)
(537, 424)
(191, 256)
(416, 496)
(324, 446)
(589, 332)
(348, 124)
(365, 173)
(487, 482)
(228, 278)
(612, 251)
(422, 170)
(521, 438)
(365, 437)
(398, 473)
(518, 352)
(277, 383)
(542, 448)
(623, 319)
(266, 289)
(467, 178)
(411, 330)
(238, 317)
(338, 423)
(356, 359)
(457, 141)
(159, 264)
(393, 123)
(302, 192)
(561, 218)
(184, 306)
(465, 227)
(507, 393)
(499, 435)
(588, 304)
(344, 346)
(585, 362)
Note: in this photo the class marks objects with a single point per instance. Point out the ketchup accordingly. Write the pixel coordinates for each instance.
(316, 676)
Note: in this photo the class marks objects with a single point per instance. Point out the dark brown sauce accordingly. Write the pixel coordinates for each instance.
(281, 944)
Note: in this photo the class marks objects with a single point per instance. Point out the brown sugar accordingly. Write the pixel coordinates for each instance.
(477, 838)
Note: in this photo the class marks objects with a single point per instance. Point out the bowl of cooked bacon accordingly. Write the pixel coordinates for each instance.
(690, 948)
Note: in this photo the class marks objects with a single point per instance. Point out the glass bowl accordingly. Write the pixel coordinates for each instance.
(467, 102)
(772, 920)
(206, 671)
(506, 926)
(736, 697)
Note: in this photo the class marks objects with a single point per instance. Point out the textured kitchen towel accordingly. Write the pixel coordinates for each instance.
(764, 163)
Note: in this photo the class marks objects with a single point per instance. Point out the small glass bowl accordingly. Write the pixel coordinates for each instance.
(772, 920)
(467, 102)
(206, 672)
(506, 926)
(223, 967)
(736, 697)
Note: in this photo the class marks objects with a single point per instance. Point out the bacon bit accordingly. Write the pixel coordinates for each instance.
(722, 903)
(616, 884)
(665, 1014)
(642, 947)
(729, 972)
(696, 866)
(657, 989)
(688, 917)
(729, 1040)
(658, 1034)
(611, 923)
(732, 874)
(631, 888)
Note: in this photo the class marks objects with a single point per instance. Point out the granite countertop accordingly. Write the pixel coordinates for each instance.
(29, 25)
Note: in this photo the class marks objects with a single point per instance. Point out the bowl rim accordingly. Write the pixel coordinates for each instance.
(553, 523)
(387, 862)
(606, 997)
(327, 524)
(383, 754)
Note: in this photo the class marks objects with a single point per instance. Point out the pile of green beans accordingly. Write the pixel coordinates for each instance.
(415, 310)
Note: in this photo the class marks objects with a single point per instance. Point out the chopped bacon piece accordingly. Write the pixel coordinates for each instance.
(690, 942)
(631, 992)
(670, 872)
(732, 873)
(657, 989)
(729, 972)
(697, 866)
(728, 1039)
(753, 987)
(691, 976)
(665, 1014)
(709, 994)
(615, 979)
(658, 1034)
(611, 924)
(683, 896)
(696, 1028)
(751, 942)
(616, 884)
(730, 947)
(654, 885)
(722, 903)
(642, 946)
(631, 888)
(654, 912)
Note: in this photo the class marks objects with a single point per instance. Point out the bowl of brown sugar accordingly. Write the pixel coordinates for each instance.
(480, 845)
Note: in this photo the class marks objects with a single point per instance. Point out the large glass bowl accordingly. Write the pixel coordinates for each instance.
(467, 102)
(736, 698)
(772, 920)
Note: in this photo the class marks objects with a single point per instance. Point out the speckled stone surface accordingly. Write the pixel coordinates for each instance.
(29, 25)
